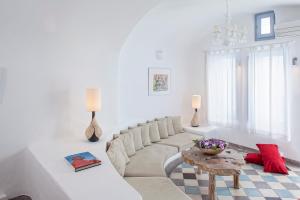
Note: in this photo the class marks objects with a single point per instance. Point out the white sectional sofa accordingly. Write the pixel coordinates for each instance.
(139, 155)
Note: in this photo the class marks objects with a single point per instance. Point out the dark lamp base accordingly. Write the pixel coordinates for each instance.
(94, 138)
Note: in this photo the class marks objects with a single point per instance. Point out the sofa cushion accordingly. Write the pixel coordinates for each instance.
(158, 188)
(177, 124)
(127, 139)
(181, 141)
(116, 155)
(154, 132)
(170, 127)
(145, 134)
(162, 128)
(119, 142)
(149, 161)
(137, 137)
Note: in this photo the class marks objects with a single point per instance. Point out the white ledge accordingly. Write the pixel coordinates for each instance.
(101, 182)
(202, 130)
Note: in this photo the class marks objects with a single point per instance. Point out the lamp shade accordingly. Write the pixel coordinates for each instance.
(93, 99)
(196, 101)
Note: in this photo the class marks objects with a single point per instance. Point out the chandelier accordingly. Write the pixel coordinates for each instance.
(229, 34)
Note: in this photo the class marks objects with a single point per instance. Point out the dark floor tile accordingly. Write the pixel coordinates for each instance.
(192, 190)
(203, 183)
(262, 185)
(272, 198)
(178, 182)
(290, 186)
(189, 176)
(205, 197)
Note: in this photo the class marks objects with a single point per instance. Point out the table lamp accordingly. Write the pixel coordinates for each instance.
(93, 104)
(196, 104)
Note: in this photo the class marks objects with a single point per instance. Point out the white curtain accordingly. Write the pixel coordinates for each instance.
(267, 91)
(221, 88)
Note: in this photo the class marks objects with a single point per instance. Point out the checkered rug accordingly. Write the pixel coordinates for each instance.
(255, 184)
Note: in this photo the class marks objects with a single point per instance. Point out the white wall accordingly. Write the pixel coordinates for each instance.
(137, 56)
(161, 30)
(52, 50)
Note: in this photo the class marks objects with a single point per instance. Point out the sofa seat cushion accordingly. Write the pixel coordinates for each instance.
(182, 141)
(158, 188)
(149, 161)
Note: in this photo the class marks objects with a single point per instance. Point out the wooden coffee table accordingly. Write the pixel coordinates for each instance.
(227, 163)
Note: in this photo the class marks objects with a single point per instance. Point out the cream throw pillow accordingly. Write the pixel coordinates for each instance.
(127, 139)
(153, 131)
(119, 142)
(162, 128)
(145, 134)
(177, 124)
(116, 156)
(170, 127)
(137, 137)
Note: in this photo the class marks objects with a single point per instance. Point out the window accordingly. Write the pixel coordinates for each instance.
(250, 97)
(267, 99)
(221, 88)
(264, 26)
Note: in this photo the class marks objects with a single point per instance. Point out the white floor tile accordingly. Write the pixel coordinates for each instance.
(190, 182)
(268, 193)
(247, 184)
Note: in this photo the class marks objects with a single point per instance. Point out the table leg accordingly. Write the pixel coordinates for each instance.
(212, 187)
(199, 171)
(236, 181)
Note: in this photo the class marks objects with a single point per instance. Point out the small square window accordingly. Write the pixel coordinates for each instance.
(264, 26)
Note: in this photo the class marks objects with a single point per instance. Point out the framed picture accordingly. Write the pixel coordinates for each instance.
(159, 81)
(264, 26)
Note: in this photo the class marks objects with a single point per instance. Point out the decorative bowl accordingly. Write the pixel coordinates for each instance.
(211, 146)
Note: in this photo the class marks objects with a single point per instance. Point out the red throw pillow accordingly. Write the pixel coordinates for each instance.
(254, 158)
(271, 159)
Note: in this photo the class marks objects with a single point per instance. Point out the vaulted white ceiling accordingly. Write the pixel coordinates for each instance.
(189, 21)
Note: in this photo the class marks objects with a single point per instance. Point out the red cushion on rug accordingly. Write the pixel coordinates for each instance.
(271, 159)
(254, 158)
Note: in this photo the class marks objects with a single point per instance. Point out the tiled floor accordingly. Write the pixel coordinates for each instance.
(255, 184)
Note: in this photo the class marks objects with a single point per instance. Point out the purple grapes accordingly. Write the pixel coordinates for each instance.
(212, 144)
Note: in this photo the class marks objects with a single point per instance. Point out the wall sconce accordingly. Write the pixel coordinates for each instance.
(295, 62)
(159, 54)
